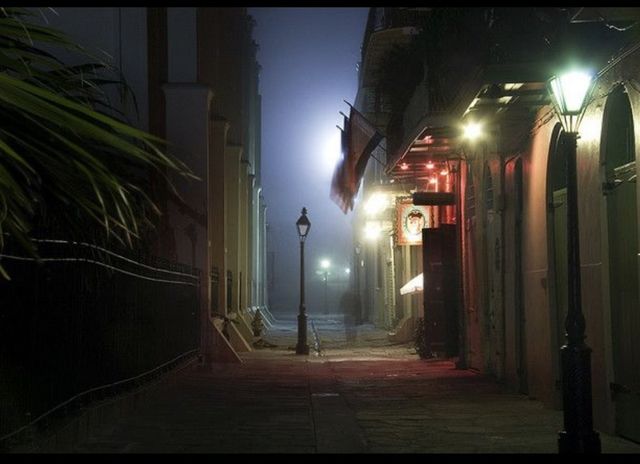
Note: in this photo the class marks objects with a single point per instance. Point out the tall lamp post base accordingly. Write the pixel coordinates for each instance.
(302, 347)
(578, 435)
(579, 444)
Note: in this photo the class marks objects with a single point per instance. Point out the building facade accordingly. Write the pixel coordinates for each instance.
(195, 77)
(495, 274)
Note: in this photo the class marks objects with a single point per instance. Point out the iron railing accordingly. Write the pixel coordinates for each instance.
(86, 319)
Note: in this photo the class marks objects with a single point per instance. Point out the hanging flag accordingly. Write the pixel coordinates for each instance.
(359, 138)
(363, 139)
(340, 182)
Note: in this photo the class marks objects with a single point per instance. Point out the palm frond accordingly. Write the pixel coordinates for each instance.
(62, 150)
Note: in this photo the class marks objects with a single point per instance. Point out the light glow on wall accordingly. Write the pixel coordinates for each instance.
(376, 203)
(372, 231)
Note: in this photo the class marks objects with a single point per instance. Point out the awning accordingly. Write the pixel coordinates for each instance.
(413, 286)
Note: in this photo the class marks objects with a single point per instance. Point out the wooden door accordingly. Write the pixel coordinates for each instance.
(625, 310)
(441, 289)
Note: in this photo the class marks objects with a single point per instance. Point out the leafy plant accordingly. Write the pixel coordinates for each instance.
(63, 151)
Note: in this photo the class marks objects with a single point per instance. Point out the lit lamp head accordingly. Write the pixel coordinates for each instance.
(569, 93)
(303, 225)
(472, 131)
(325, 264)
(376, 203)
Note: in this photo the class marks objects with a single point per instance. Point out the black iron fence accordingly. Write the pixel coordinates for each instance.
(86, 319)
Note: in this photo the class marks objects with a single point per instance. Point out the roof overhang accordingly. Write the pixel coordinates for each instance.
(491, 93)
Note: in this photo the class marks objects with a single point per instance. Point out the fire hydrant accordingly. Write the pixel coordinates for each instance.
(257, 324)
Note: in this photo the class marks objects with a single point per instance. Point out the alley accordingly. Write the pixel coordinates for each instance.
(370, 396)
(320, 230)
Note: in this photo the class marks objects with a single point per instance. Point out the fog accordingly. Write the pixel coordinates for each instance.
(309, 60)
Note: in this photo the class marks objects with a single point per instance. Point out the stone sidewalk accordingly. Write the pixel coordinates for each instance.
(366, 396)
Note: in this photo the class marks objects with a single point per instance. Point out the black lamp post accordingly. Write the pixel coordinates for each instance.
(303, 226)
(569, 93)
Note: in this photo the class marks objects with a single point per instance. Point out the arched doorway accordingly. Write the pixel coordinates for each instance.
(622, 226)
(557, 282)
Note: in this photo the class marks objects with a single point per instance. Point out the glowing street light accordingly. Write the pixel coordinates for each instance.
(376, 203)
(472, 131)
(303, 225)
(569, 92)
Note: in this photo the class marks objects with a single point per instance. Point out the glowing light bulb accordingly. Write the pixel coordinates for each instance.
(472, 131)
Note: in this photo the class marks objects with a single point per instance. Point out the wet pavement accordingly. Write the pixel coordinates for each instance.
(356, 396)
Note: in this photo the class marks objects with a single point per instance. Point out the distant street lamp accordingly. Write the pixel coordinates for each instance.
(303, 226)
(569, 92)
(325, 264)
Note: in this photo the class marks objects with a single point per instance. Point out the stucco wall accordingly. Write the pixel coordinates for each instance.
(117, 36)
(593, 243)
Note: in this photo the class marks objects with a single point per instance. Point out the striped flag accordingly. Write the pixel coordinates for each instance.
(359, 138)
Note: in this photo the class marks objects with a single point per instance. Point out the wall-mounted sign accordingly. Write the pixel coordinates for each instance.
(410, 220)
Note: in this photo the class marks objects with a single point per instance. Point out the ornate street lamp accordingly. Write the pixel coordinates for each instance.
(303, 226)
(569, 92)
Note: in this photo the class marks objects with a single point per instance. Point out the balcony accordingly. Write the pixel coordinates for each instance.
(479, 63)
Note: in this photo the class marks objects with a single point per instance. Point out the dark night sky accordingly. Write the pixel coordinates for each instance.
(308, 58)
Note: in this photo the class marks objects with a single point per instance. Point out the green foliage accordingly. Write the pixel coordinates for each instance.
(61, 150)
